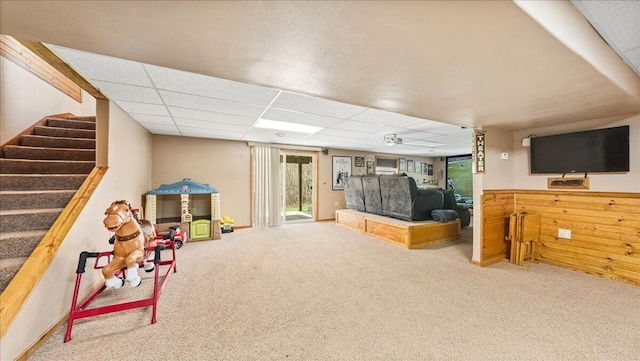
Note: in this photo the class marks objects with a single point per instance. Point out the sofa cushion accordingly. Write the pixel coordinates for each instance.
(397, 200)
(449, 199)
(353, 193)
(372, 197)
(426, 201)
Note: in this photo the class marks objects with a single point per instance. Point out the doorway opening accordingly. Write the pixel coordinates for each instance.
(297, 195)
(460, 178)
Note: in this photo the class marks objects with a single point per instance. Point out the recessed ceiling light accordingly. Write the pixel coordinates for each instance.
(280, 135)
(290, 127)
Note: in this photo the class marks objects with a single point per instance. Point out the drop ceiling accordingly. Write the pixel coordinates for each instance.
(426, 71)
(173, 102)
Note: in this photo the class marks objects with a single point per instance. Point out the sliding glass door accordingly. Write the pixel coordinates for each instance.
(297, 193)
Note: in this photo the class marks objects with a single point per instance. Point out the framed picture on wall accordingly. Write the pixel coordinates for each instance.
(430, 169)
(423, 169)
(417, 165)
(403, 165)
(410, 166)
(359, 161)
(341, 170)
(369, 167)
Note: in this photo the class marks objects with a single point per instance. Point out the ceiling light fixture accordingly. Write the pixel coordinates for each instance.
(392, 139)
(286, 126)
(280, 135)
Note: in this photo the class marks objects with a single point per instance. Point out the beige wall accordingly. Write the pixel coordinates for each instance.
(25, 99)
(128, 177)
(224, 165)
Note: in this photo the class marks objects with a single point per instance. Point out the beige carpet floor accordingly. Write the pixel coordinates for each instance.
(316, 291)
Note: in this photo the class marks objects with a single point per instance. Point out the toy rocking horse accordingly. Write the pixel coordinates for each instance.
(131, 238)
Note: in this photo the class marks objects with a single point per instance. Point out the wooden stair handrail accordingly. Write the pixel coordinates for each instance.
(22, 285)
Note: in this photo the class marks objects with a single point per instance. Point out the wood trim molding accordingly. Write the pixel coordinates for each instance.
(575, 193)
(19, 289)
(52, 59)
(30, 61)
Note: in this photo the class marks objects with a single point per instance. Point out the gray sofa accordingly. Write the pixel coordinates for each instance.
(398, 196)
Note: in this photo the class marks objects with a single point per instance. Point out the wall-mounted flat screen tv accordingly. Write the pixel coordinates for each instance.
(600, 150)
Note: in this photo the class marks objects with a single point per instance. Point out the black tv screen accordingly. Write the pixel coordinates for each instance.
(601, 150)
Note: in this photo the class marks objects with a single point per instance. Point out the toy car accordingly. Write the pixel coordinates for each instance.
(178, 235)
(226, 224)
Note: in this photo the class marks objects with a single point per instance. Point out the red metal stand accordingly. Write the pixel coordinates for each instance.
(81, 311)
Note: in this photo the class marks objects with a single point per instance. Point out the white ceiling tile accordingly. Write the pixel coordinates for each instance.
(428, 125)
(620, 20)
(298, 117)
(153, 119)
(413, 134)
(313, 105)
(422, 143)
(376, 116)
(197, 84)
(181, 122)
(361, 127)
(163, 127)
(164, 132)
(342, 133)
(142, 108)
(211, 133)
(130, 93)
(438, 128)
(210, 104)
(100, 67)
(328, 138)
(210, 116)
(447, 139)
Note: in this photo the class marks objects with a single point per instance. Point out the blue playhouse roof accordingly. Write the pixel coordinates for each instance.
(184, 186)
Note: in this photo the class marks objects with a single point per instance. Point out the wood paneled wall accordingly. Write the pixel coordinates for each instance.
(496, 209)
(605, 230)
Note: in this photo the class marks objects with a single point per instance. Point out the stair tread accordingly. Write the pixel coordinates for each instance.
(46, 191)
(58, 138)
(74, 129)
(70, 120)
(41, 175)
(47, 160)
(86, 118)
(30, 211)
(50, 148)
(9, 235)
(11, 263)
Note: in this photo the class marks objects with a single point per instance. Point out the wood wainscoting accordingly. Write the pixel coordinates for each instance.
(407, 234)
(605, 230)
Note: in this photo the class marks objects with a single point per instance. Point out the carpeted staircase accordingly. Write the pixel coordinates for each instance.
(38, 177)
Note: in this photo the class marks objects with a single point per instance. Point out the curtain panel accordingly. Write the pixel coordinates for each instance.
(266, 181)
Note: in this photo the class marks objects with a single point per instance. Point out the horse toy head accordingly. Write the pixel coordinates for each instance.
(118, 213)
